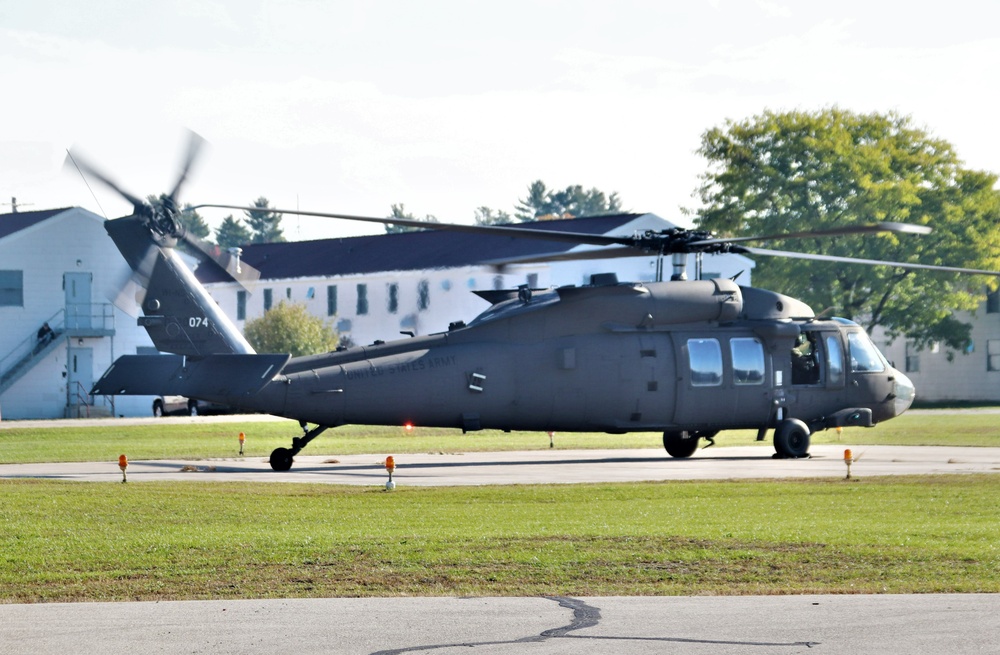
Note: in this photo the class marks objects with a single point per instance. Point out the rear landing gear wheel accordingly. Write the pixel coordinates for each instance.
(680, 444)
(281, 459)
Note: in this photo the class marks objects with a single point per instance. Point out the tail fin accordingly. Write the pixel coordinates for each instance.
(178, 313)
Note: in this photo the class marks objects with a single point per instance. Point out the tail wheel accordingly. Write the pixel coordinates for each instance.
(791, 439)
(680, 444)
(192, 408)
(157, 408)
(281, 459)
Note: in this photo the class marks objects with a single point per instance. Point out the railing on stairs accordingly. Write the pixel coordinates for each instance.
(95, 320)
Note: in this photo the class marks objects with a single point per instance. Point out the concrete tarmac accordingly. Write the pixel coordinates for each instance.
(540, 466)
(928, 624)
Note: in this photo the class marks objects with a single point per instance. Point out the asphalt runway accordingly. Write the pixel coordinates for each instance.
(913, 624)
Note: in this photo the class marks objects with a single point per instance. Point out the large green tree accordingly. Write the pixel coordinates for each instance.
(542, 203)
(290, 328)
(792, 171)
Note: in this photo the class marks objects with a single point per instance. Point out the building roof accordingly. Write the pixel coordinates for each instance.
(421, 250)
(11, 223)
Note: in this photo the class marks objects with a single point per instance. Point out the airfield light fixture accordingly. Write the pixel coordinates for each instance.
(123, 464)
(848, 460)
(243, 439)
(390, 466)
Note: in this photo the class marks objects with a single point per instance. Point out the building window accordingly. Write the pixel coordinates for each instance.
(912, 359)
(362, 307)
(11, 288)
(993, 302)
(392, 298)
(331, 300)
(993, 355)
(241, 305)
(268, 299)
(532, 280)
(288, 293)
(423, 295)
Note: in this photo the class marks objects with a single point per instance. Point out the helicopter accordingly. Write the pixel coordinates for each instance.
(686, 358)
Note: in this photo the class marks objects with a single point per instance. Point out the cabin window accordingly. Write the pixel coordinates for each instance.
(241, 305)
(331, 300)
(705, 360)
(748, 361)
(362, 307)
(864, 356)
(268, 299)
(834, 361)
(392, 297)
(11, 288)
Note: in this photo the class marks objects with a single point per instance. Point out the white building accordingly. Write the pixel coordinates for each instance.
(944, 376)
(55, 268)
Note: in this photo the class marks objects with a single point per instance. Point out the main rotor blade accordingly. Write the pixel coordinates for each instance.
(87, 170)
(495, 230)
(871, 228)
(195, 144)
(871, 262)
(580, 255)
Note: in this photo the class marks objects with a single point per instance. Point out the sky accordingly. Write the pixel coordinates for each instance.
(447, 106)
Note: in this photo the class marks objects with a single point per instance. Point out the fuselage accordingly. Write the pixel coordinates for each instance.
(698, 356)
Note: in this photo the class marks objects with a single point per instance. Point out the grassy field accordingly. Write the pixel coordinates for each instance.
(205, 440)
(62, 541)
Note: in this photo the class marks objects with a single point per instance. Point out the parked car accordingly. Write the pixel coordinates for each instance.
(179, 405)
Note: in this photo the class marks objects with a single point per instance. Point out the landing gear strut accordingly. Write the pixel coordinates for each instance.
(282, 458)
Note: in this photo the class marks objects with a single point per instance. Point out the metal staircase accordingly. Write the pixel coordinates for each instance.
(99, 322)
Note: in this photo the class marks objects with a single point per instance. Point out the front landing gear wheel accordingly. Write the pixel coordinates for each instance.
(680, 444)
(281, 459)
(791, 439)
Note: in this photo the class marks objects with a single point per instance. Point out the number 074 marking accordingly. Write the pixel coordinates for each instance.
(198, 321)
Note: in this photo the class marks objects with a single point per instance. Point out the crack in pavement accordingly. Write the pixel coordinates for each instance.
(587, 616)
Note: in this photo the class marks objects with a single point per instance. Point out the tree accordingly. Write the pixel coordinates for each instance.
(290, 328)
(399, 211)
(780, 172)
(232, 233)
(486, 216)
(265, 225)
(573, 201)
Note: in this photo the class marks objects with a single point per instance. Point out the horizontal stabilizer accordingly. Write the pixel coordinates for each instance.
(209, 377)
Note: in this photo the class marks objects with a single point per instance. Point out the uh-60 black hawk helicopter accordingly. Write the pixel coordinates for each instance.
(685, 358)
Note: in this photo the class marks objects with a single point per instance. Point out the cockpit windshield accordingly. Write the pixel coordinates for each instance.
(865, 357)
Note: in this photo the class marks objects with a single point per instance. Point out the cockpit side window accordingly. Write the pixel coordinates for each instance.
(834, 361)
(864, 356)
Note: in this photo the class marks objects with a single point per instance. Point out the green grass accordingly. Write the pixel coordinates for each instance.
(63, 541)
(207, 440)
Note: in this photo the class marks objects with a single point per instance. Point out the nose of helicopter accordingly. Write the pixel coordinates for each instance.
(904, 392)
